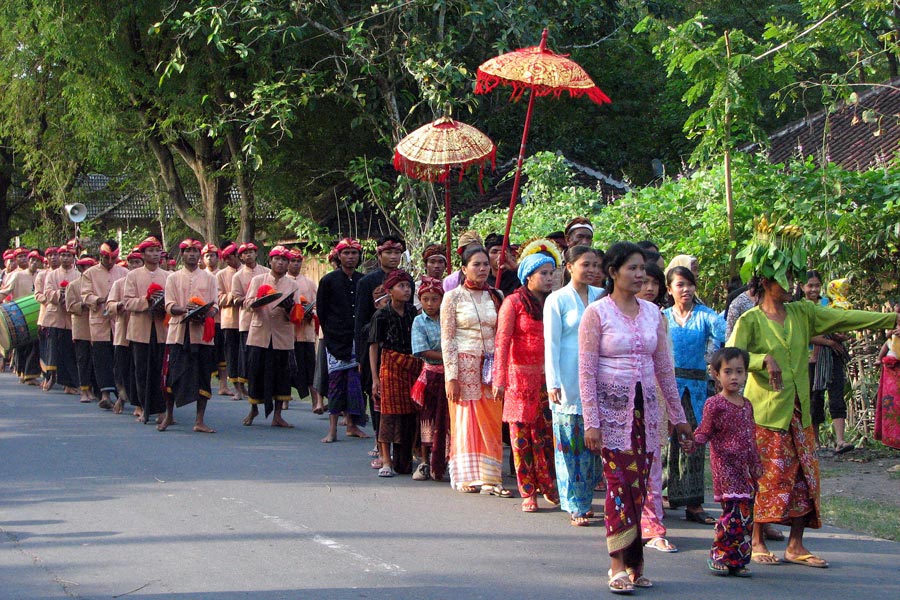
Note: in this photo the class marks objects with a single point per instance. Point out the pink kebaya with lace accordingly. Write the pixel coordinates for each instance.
(616, 353)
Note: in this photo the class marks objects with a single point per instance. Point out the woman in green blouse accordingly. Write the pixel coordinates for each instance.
(776, 333)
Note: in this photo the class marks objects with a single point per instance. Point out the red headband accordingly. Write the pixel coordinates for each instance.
(390, 245)
(7, 255)
(229, 250)
(20, 250)
(208, 248)
(150, 242)
(395, 277)
(295, 254)
(106, 250)
(280, 251)
(87, 261)
(190, 243)
(135, 255)
(51, 250)
(34, 254)
(347, 243)
(248, 246)
(430, 284)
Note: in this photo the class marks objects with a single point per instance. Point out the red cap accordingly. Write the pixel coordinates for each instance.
(210, 248)
(150, 242)
(280, 251)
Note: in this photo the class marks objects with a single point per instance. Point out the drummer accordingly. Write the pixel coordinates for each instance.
(17, 286)
(271, 338)
(123, 371)
(305, 335)
(190, 337)
(147, 328)
(81, 331)
(228, 318)
(61, 355)
(51, 261)
(210, 256)
(96, 283)
(247, 254)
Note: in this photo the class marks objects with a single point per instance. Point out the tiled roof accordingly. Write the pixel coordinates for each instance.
(856, 136)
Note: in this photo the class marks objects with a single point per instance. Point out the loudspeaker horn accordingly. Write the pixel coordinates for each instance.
(76, 212)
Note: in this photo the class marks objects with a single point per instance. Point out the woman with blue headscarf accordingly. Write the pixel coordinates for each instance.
(519, 374)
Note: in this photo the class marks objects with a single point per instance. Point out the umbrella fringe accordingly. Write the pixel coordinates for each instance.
(440, 174)
(485, 83)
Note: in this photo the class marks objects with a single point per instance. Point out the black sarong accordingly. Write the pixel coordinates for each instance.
(190, 369)
(123, 372)
(148, 364)
(104, 362)
(270, 378)
(61, 357)
(233, 354)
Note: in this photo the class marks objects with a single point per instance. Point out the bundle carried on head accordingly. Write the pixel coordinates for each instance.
(777, 252)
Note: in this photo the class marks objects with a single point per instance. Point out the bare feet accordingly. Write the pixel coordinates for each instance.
(329, 439)
(161, 418)
(30, 382)
(70, 391)
(203, 428)
(354, 431)
(164, 424)
(105, 404)
(119, 406)
(85, 399)
(277, 421)
(248, 420)
(226, 392)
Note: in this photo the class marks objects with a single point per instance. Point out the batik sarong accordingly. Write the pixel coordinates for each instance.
(578, 470)
(789, 486)
(344, 386)
(430, 394)
(532, 448)
(887, 407)
(731, 544)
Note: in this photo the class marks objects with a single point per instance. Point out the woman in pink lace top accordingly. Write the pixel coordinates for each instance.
(519, 380)
(623, 355)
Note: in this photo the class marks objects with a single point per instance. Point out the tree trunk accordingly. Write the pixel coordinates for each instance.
(6, 172)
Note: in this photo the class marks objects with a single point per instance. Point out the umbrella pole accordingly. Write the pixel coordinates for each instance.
(515, 190)
(447, 222)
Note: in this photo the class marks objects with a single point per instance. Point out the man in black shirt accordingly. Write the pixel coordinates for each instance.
(509, 282)
(336, 303)
(389, 251)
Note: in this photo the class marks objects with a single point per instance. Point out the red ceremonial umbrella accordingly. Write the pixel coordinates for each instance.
(542, 72)
(430, 152)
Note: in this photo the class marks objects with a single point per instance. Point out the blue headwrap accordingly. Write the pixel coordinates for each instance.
(532, 263)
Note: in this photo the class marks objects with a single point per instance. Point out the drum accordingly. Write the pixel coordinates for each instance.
(18, 322)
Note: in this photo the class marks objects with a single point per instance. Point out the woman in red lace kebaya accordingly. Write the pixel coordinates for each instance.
(519, 380)
(624, 354)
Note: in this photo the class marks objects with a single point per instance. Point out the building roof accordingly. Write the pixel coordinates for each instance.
(855, 136)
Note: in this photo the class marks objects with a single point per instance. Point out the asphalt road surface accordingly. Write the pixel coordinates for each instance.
(94, 505)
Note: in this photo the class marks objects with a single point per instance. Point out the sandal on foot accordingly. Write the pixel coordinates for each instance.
(702, 517)
(579, 521)
(717, 568)
(386, 472)
(638, 581)
(376, 464)
(741, 572)
(530, 505)
(807, 560)
(770, 558)
(373, 453)
(496, 490)
(844, 448)
(468, 489)
(662, 544)
(620, 583)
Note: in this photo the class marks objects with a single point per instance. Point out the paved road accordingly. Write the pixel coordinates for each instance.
(93, 505)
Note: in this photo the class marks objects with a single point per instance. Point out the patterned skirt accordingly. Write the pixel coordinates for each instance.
(577, 469)
(887, 408)
(626, 472)
(789, 487)
(476, 445)
(398, 373)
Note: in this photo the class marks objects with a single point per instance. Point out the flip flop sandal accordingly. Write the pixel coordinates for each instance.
(530, 505)
(717, 568)
(640, 581)
(807, 560)
(662, 544)
(468, 489)
(843, 449)
(769, 555)
(496, 490)
(620, 583)
(376, 464)
(579, 521)
(386, 472)
(373, 453)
